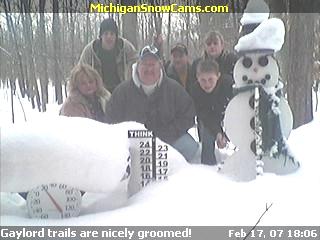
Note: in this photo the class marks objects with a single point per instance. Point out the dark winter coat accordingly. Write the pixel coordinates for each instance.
(168, 111)
(210, 107)
(76, 105)
(172, 73)
(126, 55)
(226, 63)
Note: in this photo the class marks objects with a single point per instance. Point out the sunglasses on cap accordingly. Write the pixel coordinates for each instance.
(149, 50)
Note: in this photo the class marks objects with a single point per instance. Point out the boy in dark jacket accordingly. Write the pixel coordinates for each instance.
(211, 94)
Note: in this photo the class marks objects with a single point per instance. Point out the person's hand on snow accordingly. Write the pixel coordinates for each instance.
(221, 140)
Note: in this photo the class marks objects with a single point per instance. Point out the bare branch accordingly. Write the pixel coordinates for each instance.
(267, 208)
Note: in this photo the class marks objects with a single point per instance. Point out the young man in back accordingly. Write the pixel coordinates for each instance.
(111, 55)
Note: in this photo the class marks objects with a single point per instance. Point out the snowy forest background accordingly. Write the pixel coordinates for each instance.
(39, 49)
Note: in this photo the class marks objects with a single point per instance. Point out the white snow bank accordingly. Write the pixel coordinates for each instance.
(198, 195)
(75, 151)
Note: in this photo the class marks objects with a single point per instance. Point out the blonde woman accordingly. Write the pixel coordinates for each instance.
(87, 95)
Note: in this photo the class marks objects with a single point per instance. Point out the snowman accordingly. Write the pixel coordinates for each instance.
(258, 120)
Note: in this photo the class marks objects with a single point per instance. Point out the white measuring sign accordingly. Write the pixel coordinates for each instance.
(149, 159)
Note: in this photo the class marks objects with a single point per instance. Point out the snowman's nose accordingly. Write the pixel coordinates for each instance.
(255, 69)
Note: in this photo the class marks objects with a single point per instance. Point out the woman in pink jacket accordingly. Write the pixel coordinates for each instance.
(87, 95)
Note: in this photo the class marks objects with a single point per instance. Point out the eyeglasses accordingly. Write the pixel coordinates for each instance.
(149, 50)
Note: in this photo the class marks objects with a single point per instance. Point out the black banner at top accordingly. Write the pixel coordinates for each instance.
(144, 6)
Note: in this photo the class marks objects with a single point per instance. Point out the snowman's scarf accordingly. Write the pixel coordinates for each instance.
(273, 141)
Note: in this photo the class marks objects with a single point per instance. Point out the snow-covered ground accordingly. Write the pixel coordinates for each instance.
(194, 194)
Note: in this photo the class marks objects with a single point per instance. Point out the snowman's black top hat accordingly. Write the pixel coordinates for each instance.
(248, 28)
(266, 51)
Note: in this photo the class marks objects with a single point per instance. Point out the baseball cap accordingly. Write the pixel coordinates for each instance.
(149, 50)
(180, 47)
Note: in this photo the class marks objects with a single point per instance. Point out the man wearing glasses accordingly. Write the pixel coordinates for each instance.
(157, 101)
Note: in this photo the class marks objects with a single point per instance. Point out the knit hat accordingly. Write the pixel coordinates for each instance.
(108, 25)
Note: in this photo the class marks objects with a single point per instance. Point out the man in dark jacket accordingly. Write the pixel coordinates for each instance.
(157, 101)
(211, 95)
(179, 68)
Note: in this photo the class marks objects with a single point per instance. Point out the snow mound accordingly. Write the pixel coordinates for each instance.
(197, 195)
(80, 152)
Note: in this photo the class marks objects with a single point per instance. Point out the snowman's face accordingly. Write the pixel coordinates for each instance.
(256, 68)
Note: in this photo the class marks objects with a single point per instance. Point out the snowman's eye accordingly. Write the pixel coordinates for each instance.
(247, 62)
(263, 61)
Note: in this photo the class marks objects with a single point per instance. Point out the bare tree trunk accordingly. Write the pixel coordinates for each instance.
(13, 39)
(28, 36)
(72, 28)
(130, 23)
(143, 32)
(301, 47)
(204, 19)
(87, 29)
(235, 21)
(157, 32)
(44, 78)
(277, 6)
(56, 51)
(169, 35)
(3, 57)
(129, 27)
(204, 24)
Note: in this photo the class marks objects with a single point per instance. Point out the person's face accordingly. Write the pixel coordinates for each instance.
(179, 59)
(149, 69)
(214, 47)
(86, 85)
(208, 80)
(108, 40)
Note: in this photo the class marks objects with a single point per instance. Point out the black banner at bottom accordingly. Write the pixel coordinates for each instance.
(167, 233)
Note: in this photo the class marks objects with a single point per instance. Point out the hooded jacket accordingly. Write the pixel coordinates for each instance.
(168, 110)
(126, 56)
